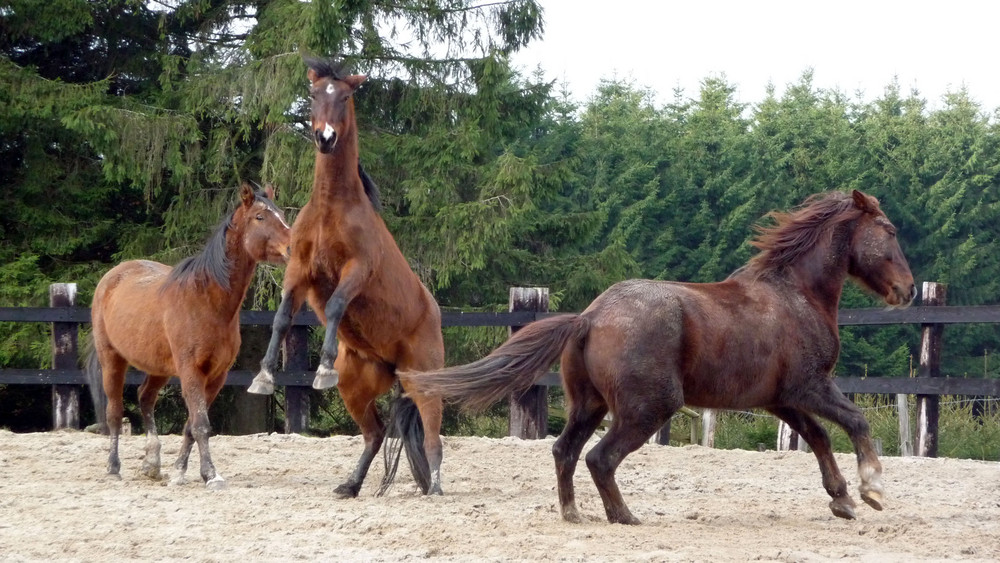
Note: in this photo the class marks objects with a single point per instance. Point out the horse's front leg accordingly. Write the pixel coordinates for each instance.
(198, 396)
(149, 391)
(832, 405)
(351, 280)
(263, 383)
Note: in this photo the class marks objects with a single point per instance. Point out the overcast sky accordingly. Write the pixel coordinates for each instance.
(850, 45)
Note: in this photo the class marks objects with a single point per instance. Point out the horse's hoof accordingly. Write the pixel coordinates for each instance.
(571, 516)
(346, 491)
(216, 483)
(113, 476)
(151, 472)
(261, 385)
(627, 520)
(325, 378)
(841, 509)
(872, 498)
(178, 481)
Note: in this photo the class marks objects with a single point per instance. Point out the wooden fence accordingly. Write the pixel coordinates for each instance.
(528, 412)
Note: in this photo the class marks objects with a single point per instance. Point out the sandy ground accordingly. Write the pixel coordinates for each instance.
(500, 504)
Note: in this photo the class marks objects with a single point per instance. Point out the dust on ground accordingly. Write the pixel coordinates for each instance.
(696, 504)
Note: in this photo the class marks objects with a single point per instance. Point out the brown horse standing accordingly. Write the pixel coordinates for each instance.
(184, 322)
(765, 337)
(347, 265)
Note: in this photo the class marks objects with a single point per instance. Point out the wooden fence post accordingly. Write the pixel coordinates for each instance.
(529, 412)
(905, 436)
(65, 398)
(933, 294)
(708, 419)
(663, 434)
(296, 358)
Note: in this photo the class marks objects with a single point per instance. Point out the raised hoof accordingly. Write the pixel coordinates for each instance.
(216, 483)
(346, 491)
(841, 509)
(872, 499)
(325, 378)
(261, 385)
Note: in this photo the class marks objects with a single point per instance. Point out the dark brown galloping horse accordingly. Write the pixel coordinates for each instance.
(346, 264)
(765, 337)
(181, 321)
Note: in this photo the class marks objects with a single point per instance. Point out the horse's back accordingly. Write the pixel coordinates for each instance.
(726, 344)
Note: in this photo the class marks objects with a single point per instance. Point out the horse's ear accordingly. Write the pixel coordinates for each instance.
(312, 75)
(270, 191)
(246, 194)
(355, 80)
(864, 202)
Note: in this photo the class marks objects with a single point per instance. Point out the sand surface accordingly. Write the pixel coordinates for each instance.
(500, 504)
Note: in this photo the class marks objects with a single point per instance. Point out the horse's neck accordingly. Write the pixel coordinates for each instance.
(822, 272)
(336, 176)
(241, 270)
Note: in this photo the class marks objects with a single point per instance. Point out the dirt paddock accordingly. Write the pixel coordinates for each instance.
(500, 504)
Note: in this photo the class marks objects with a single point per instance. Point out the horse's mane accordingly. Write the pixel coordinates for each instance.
(326, 67)
(211, 263)
(800, 230)
(371, 188)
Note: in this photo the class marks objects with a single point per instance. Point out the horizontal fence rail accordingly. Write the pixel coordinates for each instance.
(847, 317)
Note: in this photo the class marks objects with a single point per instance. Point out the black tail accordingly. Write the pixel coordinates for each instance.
(406, 431)
(512, 368)
(95, 384)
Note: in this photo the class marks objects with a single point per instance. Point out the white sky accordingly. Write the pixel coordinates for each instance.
(851, 46)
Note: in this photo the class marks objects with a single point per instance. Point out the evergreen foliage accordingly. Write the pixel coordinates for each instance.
(124, 126)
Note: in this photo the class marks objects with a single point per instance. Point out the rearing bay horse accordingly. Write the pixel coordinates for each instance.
(346, 264)
(765, 337)
(181, 321)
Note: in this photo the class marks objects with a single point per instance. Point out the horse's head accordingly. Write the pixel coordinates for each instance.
(266, 235)
(332, 104)
(876, 260)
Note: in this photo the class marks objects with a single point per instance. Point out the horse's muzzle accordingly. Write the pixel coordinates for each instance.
(902, 295)
(326, 139)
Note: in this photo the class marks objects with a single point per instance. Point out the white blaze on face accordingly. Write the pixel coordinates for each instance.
(278, 215)
(327, 132)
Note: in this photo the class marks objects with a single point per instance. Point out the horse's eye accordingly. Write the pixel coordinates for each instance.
(260, 217)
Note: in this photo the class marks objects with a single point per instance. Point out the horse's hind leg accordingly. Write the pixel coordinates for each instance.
(842, 504)
(113, 369)
(362, 383)
(428, 355)
(149, 392)
(637, 417)
(585, 409)
(832, 405)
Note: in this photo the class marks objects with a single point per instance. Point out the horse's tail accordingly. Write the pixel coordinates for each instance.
(510, 369)
(95, 384)
(406, 431)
